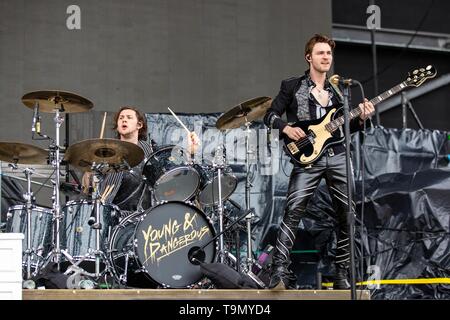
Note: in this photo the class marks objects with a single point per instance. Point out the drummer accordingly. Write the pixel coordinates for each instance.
(127, 189)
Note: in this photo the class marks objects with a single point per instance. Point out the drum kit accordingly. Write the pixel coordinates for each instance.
(161, 246)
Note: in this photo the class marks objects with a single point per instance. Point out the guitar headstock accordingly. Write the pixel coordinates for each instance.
(419, 76)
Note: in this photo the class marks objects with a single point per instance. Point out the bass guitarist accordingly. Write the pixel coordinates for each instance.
(306, 98)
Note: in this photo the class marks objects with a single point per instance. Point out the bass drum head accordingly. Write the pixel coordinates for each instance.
(164, 239)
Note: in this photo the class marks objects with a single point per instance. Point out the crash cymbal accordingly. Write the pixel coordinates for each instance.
(247, 111)
(50, 100)
(16, 152)
(107, 151)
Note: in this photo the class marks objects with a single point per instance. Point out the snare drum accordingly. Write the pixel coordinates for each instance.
(152, 249)
(170, 174)
(41, 229)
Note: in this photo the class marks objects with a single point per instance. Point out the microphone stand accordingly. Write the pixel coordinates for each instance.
(196, 254)
(350, 214)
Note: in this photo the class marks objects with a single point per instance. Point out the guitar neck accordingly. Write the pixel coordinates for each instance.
(338, 122)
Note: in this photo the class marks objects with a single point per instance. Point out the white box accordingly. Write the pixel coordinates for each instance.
(11, 266)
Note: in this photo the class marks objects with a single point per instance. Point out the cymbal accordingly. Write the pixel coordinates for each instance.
(49, 101)
(16, 152)
(104, 151)
(247, 111)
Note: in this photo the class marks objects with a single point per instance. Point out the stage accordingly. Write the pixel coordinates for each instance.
(190, 294)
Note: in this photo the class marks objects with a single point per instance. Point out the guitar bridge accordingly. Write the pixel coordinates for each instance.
(293, 148)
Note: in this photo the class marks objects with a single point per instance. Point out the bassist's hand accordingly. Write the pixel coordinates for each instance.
(367, 110)
(293, 132)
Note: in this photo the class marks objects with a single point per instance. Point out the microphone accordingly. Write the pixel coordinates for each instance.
(336, 79)
(35, 117)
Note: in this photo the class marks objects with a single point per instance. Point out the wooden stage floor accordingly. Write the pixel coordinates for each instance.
(190, 294)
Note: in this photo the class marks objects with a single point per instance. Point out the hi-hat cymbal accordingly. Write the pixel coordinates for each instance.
(16, 152)
(49, 101)
(247, 111)
(104, 151)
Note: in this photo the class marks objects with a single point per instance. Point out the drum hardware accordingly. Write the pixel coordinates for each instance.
(170, 174)
(16, 153)
(243, 115)
(57, 102)
(219, 165)
(95, 223)
(196, 254)
(150, 249)
(100, 156)
(78, 278)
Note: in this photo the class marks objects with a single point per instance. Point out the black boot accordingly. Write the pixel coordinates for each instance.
(342, 263)
(340, 280)
(282, 278)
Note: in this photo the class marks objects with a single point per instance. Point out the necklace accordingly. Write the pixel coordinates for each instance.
(320, 92)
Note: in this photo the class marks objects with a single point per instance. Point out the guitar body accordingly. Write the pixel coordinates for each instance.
(307, 150)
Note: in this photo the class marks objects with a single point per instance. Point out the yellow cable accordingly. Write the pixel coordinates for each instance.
(398, 281)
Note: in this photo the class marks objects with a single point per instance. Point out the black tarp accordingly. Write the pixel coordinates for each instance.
(406, 218)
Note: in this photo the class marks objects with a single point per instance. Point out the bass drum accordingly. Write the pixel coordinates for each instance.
(169, 173)
(152, 249)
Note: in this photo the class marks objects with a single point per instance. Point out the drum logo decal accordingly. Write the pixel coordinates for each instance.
(172, 236)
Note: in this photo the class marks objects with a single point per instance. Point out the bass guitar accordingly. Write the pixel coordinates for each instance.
(322, 133)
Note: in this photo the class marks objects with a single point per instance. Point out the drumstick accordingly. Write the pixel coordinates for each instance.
(103, 126)
(179, 120)
(106, 193)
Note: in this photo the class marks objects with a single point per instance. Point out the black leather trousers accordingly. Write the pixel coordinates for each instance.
(302, 184)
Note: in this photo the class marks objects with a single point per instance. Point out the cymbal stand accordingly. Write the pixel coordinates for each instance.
(97, 226)
(29, 198)
(56, 204)
(250, 215)
(218, 164)
(248, 186)
(55, 161)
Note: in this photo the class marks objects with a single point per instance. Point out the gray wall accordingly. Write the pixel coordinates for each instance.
(194, 55)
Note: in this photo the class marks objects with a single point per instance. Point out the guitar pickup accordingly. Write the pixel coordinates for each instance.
(293, 148)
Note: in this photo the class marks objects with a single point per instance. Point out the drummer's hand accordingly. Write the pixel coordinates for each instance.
(193, 142)
(86, 182)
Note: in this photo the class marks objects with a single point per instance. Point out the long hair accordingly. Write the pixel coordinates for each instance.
(316, 39)
(142, 135)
